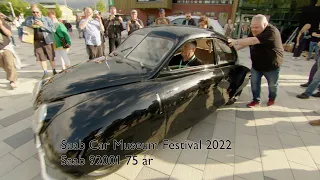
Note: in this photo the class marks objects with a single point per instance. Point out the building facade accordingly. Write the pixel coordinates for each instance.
(148, 9)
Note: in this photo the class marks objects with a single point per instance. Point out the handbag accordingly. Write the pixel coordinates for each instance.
(63, 41)
(27, 35)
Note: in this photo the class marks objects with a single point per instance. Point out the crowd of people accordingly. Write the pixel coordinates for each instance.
(52, 42)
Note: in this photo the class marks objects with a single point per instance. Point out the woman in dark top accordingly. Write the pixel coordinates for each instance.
(302, 40)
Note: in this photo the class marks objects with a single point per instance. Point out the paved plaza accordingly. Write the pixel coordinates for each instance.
(267, 143)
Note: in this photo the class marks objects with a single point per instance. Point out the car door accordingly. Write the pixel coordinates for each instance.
(189, 95)
(235, 76)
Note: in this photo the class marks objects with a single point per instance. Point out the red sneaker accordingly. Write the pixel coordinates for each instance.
(253, 103)
(270, 102)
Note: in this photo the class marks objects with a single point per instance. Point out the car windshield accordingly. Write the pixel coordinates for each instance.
(125, 47)
(151, 50)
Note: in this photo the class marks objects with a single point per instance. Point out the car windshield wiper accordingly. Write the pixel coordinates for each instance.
(126, 49)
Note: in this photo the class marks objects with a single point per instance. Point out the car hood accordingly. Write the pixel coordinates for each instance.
(90, 76)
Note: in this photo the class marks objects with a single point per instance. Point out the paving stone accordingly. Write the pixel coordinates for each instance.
(217, 170)
(113, 176)
(225, 130)
(185, 172)
(194, 158)
(299, 156)
(248, 169)
(20, 138)
(4, 148)
(246, 126)
(211, 118)
(25, 151)
(25, 171)
(269, 141)
(281, 169)
(165, 160)
(182, 136)
(291, 140)
(302, 172)
(223, 155)
(37, 177)
(266, 126)
(247, 146)
(245, 114)
(7, 163)
(203, 131)
(17, 117)
(147, 173)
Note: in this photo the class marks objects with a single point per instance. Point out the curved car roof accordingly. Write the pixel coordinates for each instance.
(212, 22)
(175, 31)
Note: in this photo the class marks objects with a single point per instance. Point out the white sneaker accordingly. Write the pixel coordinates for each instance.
(294, 58)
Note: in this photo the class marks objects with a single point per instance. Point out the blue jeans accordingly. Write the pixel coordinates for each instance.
(272, 78)
(315, 83)
(313, 46)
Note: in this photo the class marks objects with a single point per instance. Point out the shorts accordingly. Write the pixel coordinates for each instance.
(43, 51)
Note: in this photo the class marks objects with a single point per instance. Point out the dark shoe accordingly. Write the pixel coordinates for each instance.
(316, 94)
(231, 101)
(270, 102)
(303, 96)
(304, 85)
(315, 123)
(253, 103)
(55, 72)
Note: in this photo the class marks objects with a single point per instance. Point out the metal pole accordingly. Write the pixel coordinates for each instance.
(13, 14)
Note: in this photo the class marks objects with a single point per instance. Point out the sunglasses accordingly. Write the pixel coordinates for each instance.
(35, 12)
(188, 16)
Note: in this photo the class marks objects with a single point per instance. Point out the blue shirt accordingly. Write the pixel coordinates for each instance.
(92, 32)
(48, 28)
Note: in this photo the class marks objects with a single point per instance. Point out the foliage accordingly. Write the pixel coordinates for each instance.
(101, 6)
(43, 10)
(19, 6)
(58, 11)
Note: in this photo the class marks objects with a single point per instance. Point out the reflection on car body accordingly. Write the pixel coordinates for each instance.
(134, 97)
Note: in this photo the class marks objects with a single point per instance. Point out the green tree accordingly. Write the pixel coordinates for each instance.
(58, 11)
(101, 6)
(43, 10)
(19, 6)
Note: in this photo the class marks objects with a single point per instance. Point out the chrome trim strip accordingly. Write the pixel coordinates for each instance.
(44, 171)
(160, 103)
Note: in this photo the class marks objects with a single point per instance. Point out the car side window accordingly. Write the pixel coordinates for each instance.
(223, 52)
(177, 21)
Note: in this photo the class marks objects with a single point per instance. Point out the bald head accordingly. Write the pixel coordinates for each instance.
(87, 11)
(258, 24)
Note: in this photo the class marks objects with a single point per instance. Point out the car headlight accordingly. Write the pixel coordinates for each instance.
(38, 118)
(36, 90)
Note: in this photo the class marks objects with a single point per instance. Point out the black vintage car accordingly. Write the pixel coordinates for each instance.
(132, 96)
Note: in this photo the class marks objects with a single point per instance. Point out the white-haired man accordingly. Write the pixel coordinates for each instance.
(92, 29)
(266, 54)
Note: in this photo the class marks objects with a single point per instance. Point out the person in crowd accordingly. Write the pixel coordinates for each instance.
(229, 28)
(69, 27)
(266, 54)
(6, 56)
(162, 18)
(315, 83)
(187, 56)
(204, 23)
(61, 36)
(311, 75)
(78, 27)
(313, 46)
(17, 24)
(92, 29)
(189, 21)
(103, 38)
(114, 27)
(43, 38)
(302, 41)
(135, 23)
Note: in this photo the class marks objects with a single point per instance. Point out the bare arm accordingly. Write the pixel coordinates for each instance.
(244, 42)
(6, 31)
(128, 26)
(101, 25)
(316, 35)
(238, 47)
(84, 24)
(298, 38)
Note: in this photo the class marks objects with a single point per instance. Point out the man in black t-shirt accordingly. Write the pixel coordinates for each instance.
(313, 46)
(266, 54)
(187, 56)
(134, 23)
